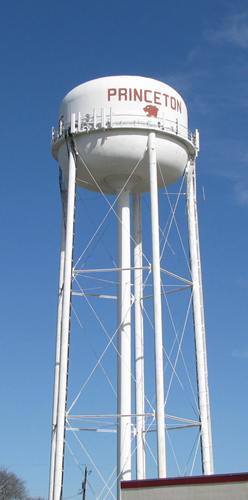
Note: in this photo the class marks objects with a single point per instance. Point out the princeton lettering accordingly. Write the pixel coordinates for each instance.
(173, 103)
(145, 95)
(179, 106)
(157, 97)
(111, 93)
(137, 95)
(146, 92)
(122, 94)
(165, 98)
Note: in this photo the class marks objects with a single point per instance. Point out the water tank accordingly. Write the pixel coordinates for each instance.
(109, 120)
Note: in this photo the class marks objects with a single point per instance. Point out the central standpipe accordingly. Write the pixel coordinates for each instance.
(139, 339)
(159, 369)
(124, 342)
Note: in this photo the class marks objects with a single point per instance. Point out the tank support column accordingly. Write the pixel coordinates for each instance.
(58, 339)
(159, 368)
(65, 329)
(199, 323)
(139, 339)
(124, 342)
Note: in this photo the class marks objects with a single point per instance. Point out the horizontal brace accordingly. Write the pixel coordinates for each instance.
(98, 295)
(90, 429)
(108, 270)
(176, 194)
(113, 431)
(113, 415)
(174, 427)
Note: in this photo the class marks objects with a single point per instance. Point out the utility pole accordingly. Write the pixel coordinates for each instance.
(84, 483)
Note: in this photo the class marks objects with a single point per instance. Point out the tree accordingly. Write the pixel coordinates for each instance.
(11, 486)
(36, 498)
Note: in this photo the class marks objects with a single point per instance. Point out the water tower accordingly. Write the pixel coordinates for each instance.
(124, 136)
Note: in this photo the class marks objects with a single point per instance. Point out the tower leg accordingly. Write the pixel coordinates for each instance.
(159, 375)
(65, 329)
(124, 343)
(199, 324)
(139, 339)
(58, 345)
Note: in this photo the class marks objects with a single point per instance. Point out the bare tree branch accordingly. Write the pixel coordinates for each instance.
(11, 487)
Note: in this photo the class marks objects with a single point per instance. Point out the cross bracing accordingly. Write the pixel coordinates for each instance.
(94, 351)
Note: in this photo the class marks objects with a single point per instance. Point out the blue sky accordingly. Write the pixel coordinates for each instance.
(46, 49)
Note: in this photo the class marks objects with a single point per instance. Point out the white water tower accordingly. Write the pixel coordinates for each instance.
(123, 136)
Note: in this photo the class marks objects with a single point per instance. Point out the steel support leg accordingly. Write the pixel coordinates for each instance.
(58, 346)
(139, 339)
(199, 324)
(65, 329)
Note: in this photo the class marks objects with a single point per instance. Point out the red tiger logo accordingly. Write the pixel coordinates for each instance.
(151, 110)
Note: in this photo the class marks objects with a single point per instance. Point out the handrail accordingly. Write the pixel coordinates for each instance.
(107, 120)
